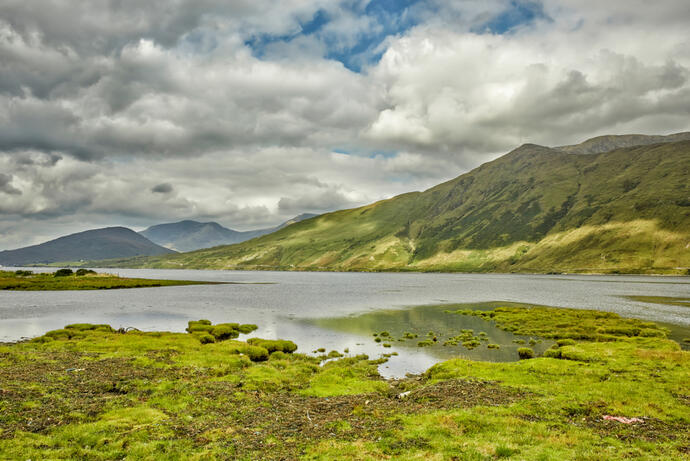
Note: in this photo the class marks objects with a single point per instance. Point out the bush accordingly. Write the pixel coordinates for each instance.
(553, 353)
(471, 344)
(83, 272)
(206, 339)
(493, 346)
(278, 355)
(566, 342)
(425, 343)
(256, 353)
(23, 273)
(90, 327)
(197, 328)
(525, 353)
(63, 273)
(223, 332)
(199, 325)
(274, 345)
(247, 328)
(64, 334)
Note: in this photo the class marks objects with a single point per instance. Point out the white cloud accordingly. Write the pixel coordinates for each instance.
(100, 106)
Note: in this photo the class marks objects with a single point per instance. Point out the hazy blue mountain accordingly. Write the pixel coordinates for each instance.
(109, 242)
(193, 235)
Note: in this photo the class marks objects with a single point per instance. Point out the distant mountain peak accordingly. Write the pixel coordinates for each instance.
(606, 143)
(104, 243)
(190, 235)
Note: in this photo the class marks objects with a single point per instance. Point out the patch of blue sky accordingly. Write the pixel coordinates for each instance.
(389, 17)
(518, 13)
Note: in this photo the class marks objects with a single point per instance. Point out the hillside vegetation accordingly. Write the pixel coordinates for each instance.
(109, 242)
(536, 209)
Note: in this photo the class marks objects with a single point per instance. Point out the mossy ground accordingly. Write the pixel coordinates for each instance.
(109, 395)
(28, 281)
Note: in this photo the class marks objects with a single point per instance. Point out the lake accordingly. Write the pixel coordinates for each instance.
(335, 311)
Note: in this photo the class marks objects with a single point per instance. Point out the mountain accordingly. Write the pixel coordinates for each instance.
(110, 242)
(194, 235)
(602, 144)
(535, 209)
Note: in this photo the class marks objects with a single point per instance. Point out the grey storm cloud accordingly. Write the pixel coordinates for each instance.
(164, 188)
(6, 185)
(96, 95)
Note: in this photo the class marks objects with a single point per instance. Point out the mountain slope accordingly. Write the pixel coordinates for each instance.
(536, 209)
(109, 242)
(194, 235)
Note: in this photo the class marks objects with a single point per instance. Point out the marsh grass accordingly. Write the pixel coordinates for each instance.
(29, 281)
(88, 392)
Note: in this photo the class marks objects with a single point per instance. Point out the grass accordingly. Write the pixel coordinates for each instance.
(99, 394)
(28, 281)
(533, 210)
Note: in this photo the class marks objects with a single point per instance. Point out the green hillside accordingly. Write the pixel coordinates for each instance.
(536, 209)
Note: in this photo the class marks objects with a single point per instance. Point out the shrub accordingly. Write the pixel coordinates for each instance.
(63, 273)
(275, 345)
(196, 328)
(493, 346)
(386, 345)
(90, 327)
(83, 272)
(23, 273)
(247, 328)
(425, 343)
(525, 353)
(471, 344)
(553, 353)
(278, 355)
(256, 353)
(64, 334)
(206, 339)
(199, 325)
(223, 332)
(409, 335)
(566, 342)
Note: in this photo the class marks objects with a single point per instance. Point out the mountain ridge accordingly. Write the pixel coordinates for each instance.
(107, 242)
(190, 235)
(535, 209)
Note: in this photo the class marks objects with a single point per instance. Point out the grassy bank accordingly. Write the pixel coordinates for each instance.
(80, 280)
(89, 392)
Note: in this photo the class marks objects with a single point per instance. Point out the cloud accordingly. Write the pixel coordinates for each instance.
(259, 110)
(6, 185)
(163, 188)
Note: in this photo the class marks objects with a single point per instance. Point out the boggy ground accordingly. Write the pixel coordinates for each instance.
(99, 394)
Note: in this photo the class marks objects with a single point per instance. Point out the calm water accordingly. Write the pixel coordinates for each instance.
(295, 305)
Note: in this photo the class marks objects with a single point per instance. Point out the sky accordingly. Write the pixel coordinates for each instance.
(248, 112)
